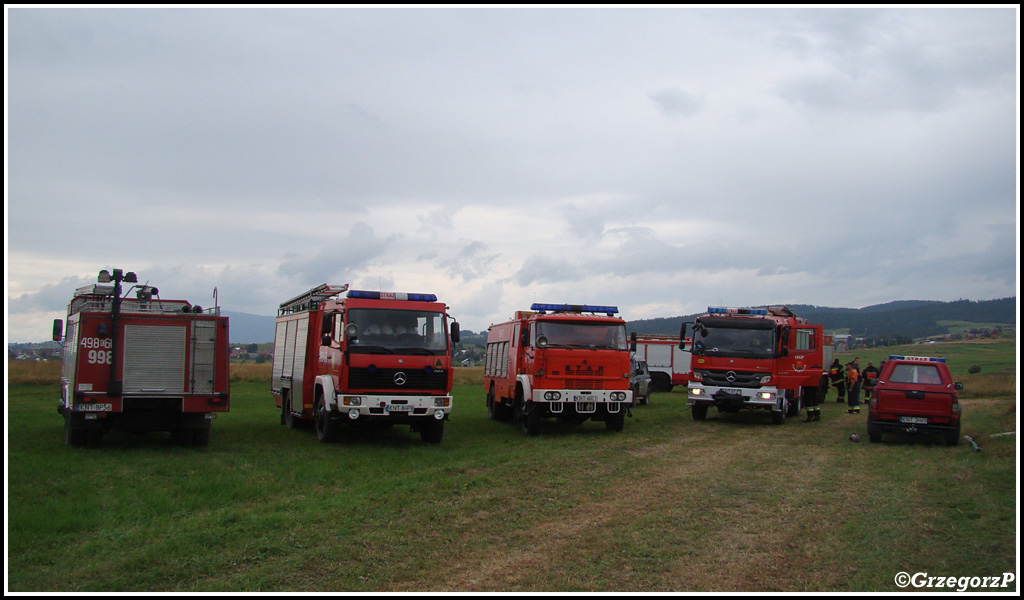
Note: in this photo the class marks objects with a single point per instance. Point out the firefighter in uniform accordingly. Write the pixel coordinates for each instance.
(838, 379)
(813, 410)
(870, 377)
(853, 385)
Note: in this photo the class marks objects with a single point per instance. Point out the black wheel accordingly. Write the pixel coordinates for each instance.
(74, 435)
(699, 412)
(952, 437)
(286, 411)
(201, 438)
(491, 410)
(326, 427)
(779, 416)
(432, 431)
(874, 432)
(529, 418)
(615, 421)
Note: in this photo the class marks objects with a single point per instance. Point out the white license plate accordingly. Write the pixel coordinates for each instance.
(400, 408)
(94, 407)
(914, 420)
(732, 391)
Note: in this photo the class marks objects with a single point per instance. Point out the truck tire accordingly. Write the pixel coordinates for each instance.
(699, 411)
(952, 437)
(779, 416)
(74, 436)
(661, 382)
(615, 421)
(874, 433)
(326, 427)
(432, 431)
(286, 411)
(530, 419)
(492, 411)
(201, 438)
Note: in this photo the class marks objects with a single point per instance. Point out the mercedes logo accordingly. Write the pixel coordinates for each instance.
(399, 378)
(730, 376)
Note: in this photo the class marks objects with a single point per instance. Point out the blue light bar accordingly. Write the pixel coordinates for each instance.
(917, 358)
(718, 310)
(366, 295)
(576, 308)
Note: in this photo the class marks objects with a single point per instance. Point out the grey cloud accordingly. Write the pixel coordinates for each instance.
(339, 259)
(51, 297)
(675, 102)
(470, 263)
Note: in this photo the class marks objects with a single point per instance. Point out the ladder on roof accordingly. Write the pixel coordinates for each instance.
(308, 300)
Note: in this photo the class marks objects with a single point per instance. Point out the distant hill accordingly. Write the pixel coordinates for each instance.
(244, 328)
(904, 318)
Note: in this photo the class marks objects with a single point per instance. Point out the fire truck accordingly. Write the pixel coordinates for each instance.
(755, 358)
(667, 360)
(361, 358)
(140, 364)
(569, 362)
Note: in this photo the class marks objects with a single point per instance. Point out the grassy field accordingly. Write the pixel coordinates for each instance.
(669, 504)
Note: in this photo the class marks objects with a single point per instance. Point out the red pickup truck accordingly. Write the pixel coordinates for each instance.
(915, 394)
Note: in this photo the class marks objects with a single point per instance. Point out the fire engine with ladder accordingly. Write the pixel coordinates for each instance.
(361, 357)
(755, 358)
(140, 364)
(569, 362)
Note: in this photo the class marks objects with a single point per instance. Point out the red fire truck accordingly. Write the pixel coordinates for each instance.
(755, 358)
(140, 364)
(668, 362)
(362, 358)
(565, 361)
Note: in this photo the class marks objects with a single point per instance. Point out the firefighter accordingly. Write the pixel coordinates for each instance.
(870, 377)
(853, 387)
(838, 379)
(813, 410)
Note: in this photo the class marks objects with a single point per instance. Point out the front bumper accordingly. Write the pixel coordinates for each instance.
(398, 408)
(733, 398)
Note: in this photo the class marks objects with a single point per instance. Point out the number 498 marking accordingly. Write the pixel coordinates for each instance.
(99, 357)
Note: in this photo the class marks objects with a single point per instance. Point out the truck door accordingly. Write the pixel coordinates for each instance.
(801, 358)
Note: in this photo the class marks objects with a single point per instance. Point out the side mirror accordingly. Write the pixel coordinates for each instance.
(456, 335)
(352, 331)
(958, 385)
(632, 342)
(326, 323)
(58, 330)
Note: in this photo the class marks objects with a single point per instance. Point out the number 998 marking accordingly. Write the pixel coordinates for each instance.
(99, 357)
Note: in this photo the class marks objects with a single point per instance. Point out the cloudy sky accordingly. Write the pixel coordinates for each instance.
(658, 159)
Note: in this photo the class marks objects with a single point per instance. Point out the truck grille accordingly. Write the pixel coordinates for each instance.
(415, 380)
(584, 384)
(738, 379)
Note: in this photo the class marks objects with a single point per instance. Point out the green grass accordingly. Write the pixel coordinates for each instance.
(669, 504)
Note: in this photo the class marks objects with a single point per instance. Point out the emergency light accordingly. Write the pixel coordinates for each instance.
(608, 310)
(918, 358)
(718, 310)
(392, 296)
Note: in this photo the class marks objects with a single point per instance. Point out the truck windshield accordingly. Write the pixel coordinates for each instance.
(389, 331)
(568, 334)
(734, 342)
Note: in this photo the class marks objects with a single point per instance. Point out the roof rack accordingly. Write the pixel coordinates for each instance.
(307, 300)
